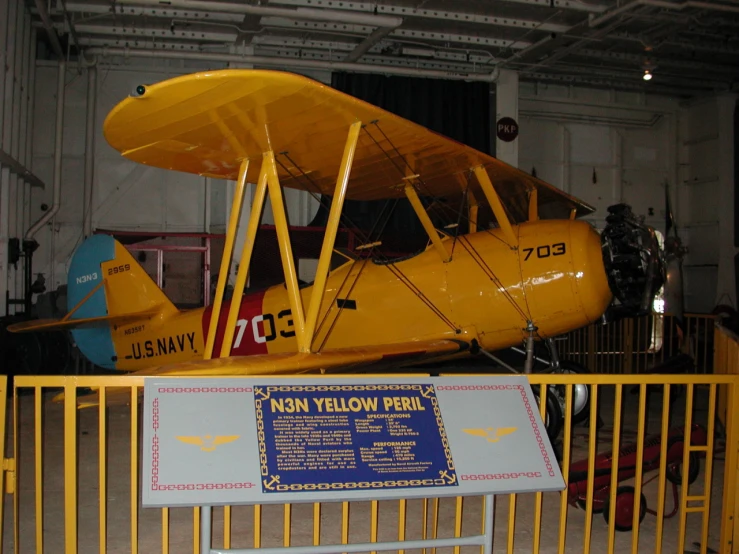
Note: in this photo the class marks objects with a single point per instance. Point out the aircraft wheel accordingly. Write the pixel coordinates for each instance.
(580, 392)
(674, 473)
(625, 508)
(553, 418)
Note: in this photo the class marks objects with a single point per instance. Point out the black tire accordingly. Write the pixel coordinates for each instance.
(554, 419)
(568, 366)
(675, 475)
(624, 508)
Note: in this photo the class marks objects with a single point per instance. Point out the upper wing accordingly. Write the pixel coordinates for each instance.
(206, 123)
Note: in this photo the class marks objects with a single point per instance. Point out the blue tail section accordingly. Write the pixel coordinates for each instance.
(85, 273)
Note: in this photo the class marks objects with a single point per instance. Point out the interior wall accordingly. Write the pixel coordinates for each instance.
(706, 191)
(17, 51)
(602, 146)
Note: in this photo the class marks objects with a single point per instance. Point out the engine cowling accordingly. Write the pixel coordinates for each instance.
(634, 263)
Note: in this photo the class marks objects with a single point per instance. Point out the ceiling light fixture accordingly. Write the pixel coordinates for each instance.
(647, 75)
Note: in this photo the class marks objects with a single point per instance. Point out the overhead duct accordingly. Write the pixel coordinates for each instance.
(89, 151)
(269, 61)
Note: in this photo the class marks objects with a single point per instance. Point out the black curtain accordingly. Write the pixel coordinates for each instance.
(456, 109)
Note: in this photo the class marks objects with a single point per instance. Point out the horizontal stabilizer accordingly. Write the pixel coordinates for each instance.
(81, 323)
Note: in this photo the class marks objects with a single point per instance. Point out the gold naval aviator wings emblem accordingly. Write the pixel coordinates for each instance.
(208, 443)
(492, 434)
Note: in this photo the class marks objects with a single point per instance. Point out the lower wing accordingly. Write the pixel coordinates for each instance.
(329, 361)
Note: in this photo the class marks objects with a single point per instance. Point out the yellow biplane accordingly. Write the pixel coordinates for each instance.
(533, 271)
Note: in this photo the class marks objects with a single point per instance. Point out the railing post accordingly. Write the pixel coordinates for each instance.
(591, 349)
(730, 509)
(627, 332)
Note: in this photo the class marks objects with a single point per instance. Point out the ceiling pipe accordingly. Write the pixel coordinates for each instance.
(58, 143)
(594, 22)
(49, 26)
(268, 11)
(270, 61)
(89, 151)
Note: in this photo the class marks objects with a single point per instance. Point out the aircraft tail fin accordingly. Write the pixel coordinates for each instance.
(105, 287)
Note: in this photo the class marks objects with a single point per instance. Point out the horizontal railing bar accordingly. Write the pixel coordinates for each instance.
(90, 381)
(703, 448)
(477, 540)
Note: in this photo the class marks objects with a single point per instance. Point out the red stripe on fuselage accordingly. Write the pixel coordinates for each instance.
(253, 330)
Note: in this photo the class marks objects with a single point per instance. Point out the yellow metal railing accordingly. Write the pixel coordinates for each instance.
(636, 345)
(7, 470)
(79, 484)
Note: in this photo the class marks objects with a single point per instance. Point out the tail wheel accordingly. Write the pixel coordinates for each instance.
(580, 392)
(624, 506)
(553, 419)
(674, 473)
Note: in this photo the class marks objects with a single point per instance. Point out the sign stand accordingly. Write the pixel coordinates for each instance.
(229, 441)
(485, 540)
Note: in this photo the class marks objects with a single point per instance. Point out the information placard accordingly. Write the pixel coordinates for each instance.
(387, 436)
(211, 441)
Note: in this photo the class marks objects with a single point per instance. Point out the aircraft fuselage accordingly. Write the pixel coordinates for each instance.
(487, 292)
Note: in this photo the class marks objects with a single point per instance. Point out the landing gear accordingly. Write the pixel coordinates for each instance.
(556, 395)
(580, 392)
(553, 420)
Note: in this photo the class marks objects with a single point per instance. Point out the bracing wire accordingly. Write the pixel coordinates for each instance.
(368, 239)
(477, 257)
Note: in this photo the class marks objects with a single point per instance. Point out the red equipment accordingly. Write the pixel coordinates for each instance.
(578, 477)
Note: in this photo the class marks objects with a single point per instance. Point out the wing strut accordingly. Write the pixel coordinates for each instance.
(286, 251)
(334, 216)
(423, 215)
(533, 205)
(496, 205)
(228, 246)
(472, 209)
(245, 264)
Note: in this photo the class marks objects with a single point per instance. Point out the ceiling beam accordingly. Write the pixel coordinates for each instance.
(269, 11)
(655, 59)
(477, 40)
(575, 5)
(155, 12)
(445, 15)
(270, 61)
(158, 32)
(410, 53)
(372, 59)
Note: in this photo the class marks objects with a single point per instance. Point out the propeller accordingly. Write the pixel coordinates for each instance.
(674, 252)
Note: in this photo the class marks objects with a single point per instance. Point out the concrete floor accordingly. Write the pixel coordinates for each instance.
(149, 521)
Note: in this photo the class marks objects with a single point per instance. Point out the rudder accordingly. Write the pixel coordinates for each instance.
(127, 289)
